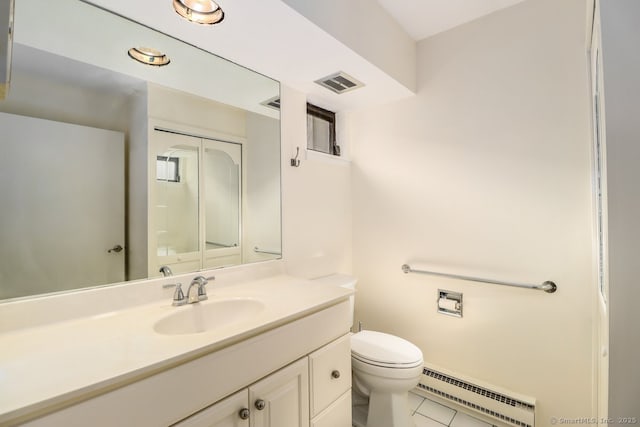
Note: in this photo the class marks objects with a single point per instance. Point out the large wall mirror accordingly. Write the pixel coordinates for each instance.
(112, 169)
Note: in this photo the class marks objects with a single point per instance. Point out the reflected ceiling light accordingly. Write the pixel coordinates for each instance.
(149, 56)
(199, 11)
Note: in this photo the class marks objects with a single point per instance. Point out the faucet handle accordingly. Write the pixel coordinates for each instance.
(202, 282)
(202, 293)
(178, 296)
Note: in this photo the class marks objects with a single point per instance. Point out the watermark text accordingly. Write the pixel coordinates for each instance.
(594, 421)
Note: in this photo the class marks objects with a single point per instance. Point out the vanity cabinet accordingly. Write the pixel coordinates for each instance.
(231, 412)
(300, 370)
(314, 391)
(279, 400)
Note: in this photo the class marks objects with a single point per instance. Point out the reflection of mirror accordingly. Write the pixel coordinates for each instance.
(188, 205)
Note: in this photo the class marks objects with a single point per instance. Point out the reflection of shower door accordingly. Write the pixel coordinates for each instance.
(62, 206)
(222, 171)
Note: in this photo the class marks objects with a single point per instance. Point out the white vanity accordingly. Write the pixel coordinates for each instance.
(277, 355)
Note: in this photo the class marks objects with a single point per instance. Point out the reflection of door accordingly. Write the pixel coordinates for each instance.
(62, 206)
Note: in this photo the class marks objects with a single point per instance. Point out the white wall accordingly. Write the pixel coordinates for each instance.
(316, 200)
(487, 169)
(621, 66)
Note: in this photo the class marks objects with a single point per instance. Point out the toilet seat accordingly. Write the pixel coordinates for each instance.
(386, 365)
(385, 350)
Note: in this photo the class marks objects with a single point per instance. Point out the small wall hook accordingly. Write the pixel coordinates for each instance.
(295, 162)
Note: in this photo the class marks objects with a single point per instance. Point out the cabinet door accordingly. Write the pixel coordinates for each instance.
(330, 373)
(282, 399)
(230, 412)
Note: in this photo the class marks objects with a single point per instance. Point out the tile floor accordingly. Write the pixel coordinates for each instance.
(428, 413)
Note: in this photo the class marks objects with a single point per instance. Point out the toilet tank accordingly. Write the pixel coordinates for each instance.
(341, 280)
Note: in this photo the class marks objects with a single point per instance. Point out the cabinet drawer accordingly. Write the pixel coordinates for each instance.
(330, 373)
(338, 414)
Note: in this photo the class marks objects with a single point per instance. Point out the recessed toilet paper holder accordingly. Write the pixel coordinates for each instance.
(450, 303)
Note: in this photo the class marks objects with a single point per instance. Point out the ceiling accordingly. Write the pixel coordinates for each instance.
(424, 18)
(273, 39)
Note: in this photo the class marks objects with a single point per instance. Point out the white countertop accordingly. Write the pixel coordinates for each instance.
(51, 364)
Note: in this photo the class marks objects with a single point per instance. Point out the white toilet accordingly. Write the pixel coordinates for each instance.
(385, 367)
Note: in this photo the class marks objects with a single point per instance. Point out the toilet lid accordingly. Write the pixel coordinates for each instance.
(382, 349)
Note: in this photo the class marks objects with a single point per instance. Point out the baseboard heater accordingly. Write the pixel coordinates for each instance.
(510, 410)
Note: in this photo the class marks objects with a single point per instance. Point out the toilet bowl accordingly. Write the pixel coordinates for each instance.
(385, 367)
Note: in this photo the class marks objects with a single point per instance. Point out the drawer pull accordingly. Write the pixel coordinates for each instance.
(260, 405)
(335, 374)
(243, 414)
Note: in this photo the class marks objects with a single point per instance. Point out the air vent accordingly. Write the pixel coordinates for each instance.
(272, 103)
(340, 82)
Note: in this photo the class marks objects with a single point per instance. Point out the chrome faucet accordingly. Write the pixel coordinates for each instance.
(166, 271)
(196, 291)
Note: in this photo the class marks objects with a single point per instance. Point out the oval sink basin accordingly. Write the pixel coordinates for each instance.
(207, 316)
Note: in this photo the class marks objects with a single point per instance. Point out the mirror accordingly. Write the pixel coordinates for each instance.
(222, 166)
(177, 198)
(113, 168)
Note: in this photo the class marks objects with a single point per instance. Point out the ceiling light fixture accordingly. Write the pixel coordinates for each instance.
(199, 11)
(149, 56)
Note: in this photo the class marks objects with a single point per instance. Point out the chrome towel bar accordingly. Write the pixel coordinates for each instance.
(262, 251)
(547, 286)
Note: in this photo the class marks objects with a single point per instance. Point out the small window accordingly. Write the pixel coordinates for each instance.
(321, 130)
(167, 169)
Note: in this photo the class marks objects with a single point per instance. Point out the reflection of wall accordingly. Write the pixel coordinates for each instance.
(488, 167)
(137, 189)
(65, 102)
(170, 104)
(262, 210)
(179, 220)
